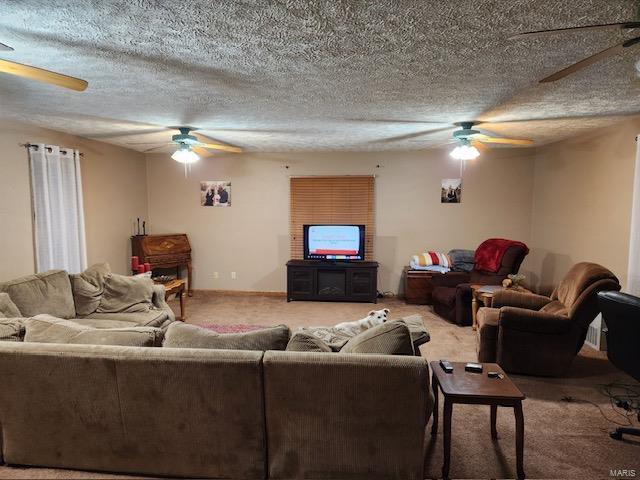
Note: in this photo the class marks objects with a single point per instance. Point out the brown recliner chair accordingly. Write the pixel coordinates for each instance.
(537, 335)
(451, 294)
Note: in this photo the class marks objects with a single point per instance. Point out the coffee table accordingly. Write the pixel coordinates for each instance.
(476, 388)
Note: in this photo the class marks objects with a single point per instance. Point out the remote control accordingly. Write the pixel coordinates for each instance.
(494, 375)
(446, 366)
(473, 367)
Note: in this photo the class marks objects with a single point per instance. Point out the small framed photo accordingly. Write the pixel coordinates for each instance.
(451, 190)
(216, 193)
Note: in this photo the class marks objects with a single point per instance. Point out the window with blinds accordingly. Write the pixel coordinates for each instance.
(332, 200)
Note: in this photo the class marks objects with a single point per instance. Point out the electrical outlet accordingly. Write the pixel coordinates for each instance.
(233, 275)
(216, 275)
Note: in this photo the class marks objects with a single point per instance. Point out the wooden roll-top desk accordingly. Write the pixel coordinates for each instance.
(164, 251)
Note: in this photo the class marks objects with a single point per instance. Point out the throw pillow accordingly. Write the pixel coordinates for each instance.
(126, 294)
(390, 338)
(306, 342)
(8, 309)
(11, 330)
(181, 335)
(88, 287)
(48, 329)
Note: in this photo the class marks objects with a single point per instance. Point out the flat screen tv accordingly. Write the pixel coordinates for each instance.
(334, 242)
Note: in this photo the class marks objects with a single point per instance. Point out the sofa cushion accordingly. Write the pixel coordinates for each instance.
(126, 294)
(11, 329)
(390, 338)
(181, 335)
(48, 329)
(100, 323)
(8, 309)
(47, 292)
(419, 334)
(87, 288)
(306, 342)
(152, 318)
(555, 307)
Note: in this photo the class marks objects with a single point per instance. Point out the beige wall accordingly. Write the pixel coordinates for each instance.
(582, 198)
(114, 186)
(251, 237)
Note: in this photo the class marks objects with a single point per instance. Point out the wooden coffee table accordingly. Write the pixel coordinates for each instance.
(176, 287)
(476, 388)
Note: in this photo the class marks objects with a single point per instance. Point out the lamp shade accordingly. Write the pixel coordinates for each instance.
(184, 154)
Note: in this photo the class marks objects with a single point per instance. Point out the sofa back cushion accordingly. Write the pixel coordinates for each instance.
(87, 288)
(181, 335)
(346, 416)
(48, 329)
(126, 294)
(155, 411)
(390, 338)
(11, 329)
(47, 292)
(8, 309)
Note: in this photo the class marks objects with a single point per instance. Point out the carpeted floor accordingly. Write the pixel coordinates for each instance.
(562, 439)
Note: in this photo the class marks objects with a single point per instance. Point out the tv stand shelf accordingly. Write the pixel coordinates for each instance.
(330, 281)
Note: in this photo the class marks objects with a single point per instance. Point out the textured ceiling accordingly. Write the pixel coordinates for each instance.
(310, 75)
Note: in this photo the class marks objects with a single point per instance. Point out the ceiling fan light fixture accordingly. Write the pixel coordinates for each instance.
(464, 151)
(184, 154)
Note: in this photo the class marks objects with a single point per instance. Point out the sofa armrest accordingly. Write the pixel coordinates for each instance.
(513, 298)
(450, 279)
(158, 299)
(514, 318)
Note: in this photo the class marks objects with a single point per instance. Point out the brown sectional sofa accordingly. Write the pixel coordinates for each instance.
(196, 412)
(186, 412)
(51, 293)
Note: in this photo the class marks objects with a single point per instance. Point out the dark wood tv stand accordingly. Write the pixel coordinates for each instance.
(332, 281)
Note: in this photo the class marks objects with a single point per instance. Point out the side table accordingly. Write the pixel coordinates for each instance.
(476, 388)
(176, 287)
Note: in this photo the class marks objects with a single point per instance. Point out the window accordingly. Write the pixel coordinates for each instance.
(332, 200)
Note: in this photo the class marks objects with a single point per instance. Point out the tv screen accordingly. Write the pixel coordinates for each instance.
(334, 242)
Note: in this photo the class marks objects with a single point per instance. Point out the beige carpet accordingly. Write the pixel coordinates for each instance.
(562, 440)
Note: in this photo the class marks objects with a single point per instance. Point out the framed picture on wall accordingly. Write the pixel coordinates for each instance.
(215, 193)
(451, 190)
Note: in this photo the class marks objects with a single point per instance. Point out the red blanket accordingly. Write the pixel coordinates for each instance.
(489, 254)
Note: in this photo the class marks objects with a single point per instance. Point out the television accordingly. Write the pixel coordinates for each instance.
(334, 242)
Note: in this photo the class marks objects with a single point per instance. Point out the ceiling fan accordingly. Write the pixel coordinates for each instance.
(190, 147)
(607, 52)
(466, 137)
(40, 74)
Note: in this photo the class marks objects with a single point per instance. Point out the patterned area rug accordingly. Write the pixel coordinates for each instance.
(233, 328)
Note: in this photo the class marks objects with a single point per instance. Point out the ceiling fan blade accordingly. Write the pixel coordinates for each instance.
(479, 145)
(150, 143)
(607, 52)
(210, 143)
(391, 120)
(203, 152)
(410, 135)
(621, 25)
(153, 149)
(41, 75)
(5, 48)
(503, 141)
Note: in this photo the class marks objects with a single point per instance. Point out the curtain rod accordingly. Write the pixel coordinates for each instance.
(29, 145)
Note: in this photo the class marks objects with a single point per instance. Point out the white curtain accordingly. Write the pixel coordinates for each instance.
(56, 187)
(633, 280)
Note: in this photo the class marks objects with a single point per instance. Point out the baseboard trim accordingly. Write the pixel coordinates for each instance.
(240, 293)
